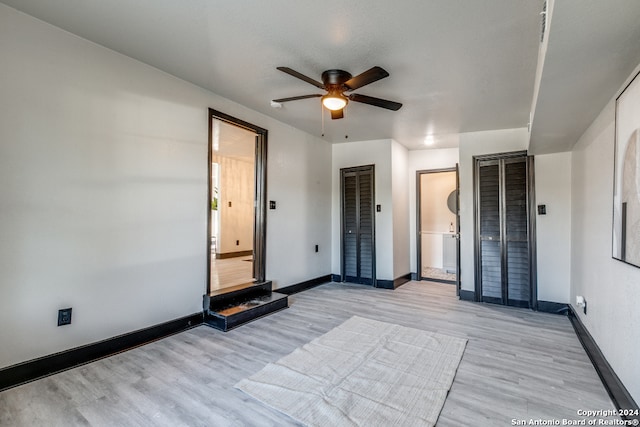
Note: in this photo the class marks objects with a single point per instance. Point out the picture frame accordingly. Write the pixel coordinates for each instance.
(626, 183)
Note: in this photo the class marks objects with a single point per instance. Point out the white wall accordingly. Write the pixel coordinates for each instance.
(436, 188)
(553, 231)
(103, 165)
(362, 153)
(424, 160)
(400, 195)
(611, 287)
(299, 181)
(475, 144)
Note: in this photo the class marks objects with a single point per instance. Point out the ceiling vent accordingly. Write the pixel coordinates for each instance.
(543, 26)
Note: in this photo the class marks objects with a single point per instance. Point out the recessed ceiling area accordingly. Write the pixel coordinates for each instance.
(593, 46)
(456, 66)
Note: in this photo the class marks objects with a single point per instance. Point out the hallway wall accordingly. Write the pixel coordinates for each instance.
(400, 199)
(610, 287)
(475, 144)
(363, 153)
(553, 230)
(103, 165)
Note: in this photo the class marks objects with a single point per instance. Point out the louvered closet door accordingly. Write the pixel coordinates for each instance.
(365, 232)
(358, 252)
(516, 227)
(504, 249)
(350, 218)
(490, 244)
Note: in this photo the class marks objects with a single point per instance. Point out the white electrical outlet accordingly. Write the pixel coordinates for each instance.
(581, 302)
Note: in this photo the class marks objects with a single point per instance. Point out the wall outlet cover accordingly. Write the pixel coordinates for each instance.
(64, 316)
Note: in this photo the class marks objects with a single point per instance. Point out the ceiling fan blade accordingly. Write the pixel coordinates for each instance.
(337, 114)
(295, 98)
(372, 75)
(382, 103)
(296, 74)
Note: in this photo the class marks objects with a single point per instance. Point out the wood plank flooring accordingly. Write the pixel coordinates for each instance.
(228, 272)
(518, 364)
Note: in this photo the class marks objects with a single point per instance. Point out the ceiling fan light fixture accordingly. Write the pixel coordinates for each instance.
(334, 101)
(335, 83)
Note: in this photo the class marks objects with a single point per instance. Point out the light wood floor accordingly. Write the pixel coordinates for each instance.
(229, 272)
(517, 364)
(437, 273)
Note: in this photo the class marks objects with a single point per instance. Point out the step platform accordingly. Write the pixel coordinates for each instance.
(231, 307)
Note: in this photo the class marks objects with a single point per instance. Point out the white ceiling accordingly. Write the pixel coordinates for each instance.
(593, 47)
(456, 65)
(233, 141)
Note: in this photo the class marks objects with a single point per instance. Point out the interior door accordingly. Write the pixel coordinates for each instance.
(516, 233)
(504, 253)
(358, 225)
(490, 235)
(457, 231)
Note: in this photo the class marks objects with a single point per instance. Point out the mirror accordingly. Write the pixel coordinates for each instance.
(452, 201)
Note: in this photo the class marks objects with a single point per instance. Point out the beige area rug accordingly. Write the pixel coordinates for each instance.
(362, 373)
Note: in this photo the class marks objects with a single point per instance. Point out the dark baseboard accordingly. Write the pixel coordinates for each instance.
(48, 365)
(617, 391)
(414, 276)
(393, 284)
(544, 306)
(467, 295)
(553, 307)
(233, 254)
(336, 278)
(510, 303)
(399, 281)
(303, 286)
(384, 284)
(429, 279)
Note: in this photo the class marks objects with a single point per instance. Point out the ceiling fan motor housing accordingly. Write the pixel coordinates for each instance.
(334, 79)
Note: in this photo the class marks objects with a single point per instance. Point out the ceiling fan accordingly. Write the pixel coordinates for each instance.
(336, 83)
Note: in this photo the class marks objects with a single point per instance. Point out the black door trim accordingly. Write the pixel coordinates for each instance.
(260, 215)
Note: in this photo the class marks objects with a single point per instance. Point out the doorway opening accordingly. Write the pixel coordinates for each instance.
(236, 204)
(438, 223)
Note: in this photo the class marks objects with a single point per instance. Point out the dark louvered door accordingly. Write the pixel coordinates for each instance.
(503, 263)
(358, 253)
(490, 239)
(516, 218)
(350, 219)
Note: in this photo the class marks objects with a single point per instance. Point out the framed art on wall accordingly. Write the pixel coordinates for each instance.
(626, 184)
